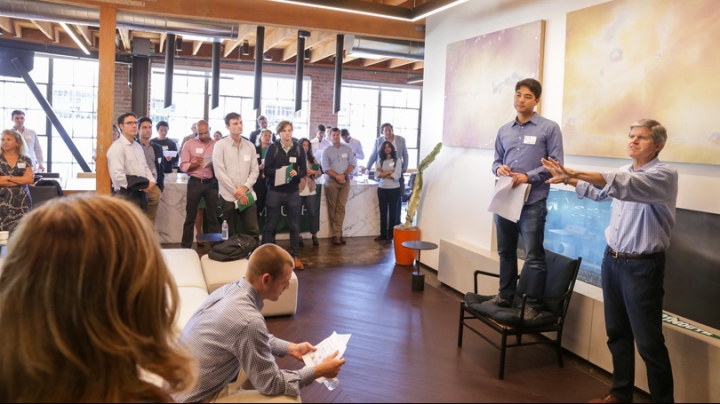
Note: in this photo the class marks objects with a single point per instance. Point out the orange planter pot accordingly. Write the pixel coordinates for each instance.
(404, 256)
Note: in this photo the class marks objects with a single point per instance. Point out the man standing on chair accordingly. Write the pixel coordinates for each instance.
(202, 182)
(643, 196)
(519, 146)
(236, 169)
(338, 161)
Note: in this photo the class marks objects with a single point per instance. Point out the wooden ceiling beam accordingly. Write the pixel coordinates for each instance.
(18, 29)
(277, 36)
(371, 62)
(84, 33)
(316, 38)
(196, 47)
(45, 27)
(321, 52)
(7, 25)
(399, 62)
(124, 38)
(163, 39)
(418, 66)
(243, 31)
(270, 13)
(56, 33)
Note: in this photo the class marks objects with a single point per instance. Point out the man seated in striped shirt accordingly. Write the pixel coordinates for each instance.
(228, 335)
(643, 196)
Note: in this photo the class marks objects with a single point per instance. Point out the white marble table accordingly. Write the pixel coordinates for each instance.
(362, 213)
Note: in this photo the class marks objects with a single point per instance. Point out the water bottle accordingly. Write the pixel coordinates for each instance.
(225, 230)
(331, 384)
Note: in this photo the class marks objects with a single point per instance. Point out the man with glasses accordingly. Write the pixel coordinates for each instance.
(127, 164)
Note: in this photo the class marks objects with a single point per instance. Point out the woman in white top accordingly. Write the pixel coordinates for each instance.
(308, 190)
(389, 170)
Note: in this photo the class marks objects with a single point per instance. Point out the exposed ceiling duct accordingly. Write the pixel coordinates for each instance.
(377, 48)
(43, 11)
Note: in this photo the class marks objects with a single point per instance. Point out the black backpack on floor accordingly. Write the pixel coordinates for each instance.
(237, 247)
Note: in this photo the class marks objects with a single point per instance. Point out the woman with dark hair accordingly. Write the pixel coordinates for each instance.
(308, 190)
(388, 174)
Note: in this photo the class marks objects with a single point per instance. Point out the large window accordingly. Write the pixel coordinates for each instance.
(365, 107)
(191, 100)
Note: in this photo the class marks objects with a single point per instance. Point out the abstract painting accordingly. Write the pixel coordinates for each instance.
(480, 79)
(659, 59)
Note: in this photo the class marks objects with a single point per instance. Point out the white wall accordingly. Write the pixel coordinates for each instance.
(458, 184)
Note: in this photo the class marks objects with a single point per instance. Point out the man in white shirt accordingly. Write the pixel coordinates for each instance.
(320, 143)
(354, 145)
(127, 158)
(33, 150)
(236, 169)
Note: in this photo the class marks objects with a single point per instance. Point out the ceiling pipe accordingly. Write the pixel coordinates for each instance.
(259, 45)
(338, 73)
(299, 65)
(215, 76)
(169, 68)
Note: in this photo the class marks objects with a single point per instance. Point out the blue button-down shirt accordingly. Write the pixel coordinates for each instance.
(643, 206)
(338, 159)
(228, 333)
(521, 147)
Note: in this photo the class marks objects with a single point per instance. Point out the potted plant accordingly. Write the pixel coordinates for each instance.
(406, 231)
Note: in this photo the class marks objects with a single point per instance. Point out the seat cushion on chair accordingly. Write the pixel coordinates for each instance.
(510, 316)
(471, 298)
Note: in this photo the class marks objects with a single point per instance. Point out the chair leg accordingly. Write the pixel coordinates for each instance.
(460, 330)
(559, 350)
(502, 356)
(519, 338)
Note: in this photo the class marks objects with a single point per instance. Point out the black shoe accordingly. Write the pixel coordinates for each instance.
(380, 238)
(531, 313)
(315, 241)
(302, 243)
(497, 301)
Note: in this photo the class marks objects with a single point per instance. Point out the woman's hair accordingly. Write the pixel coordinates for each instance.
(279, 128)
(258, 140)
(88, 308)
(18, 138)
(310, 155)
(381, 153)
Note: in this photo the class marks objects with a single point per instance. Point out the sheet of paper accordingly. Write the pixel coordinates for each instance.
(280, 174)
(507, 201)
(208, 162)
(170, 153)
(335, 342)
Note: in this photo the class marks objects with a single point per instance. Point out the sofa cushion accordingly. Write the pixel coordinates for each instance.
(184, 265)
(218, 274)
(190, 300)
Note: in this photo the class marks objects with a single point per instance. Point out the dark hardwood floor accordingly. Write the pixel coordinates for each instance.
(404, 344)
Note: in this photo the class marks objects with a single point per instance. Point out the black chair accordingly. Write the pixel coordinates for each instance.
(40, 194)
(561, 275)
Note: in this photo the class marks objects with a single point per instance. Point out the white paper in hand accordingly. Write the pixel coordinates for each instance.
(507, 201)
(335, 342)
(170, 153)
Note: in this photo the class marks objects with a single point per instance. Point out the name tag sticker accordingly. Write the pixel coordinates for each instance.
(159, 160)
(293, 159)
(344, 155)
(530, 139)
(199, 150)
(246, 158)
(392, 164)
(257, 156)
(21, 165)
(165, 147)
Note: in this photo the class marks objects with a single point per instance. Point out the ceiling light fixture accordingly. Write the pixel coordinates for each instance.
(378, 9)
(74, 37)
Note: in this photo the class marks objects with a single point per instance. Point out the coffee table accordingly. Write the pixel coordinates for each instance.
(418, 279)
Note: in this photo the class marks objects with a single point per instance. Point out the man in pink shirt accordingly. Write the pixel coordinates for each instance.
(202, 183)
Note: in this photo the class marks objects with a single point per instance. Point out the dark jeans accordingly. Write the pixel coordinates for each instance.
(388, 199)
(532, 227)
(274, 204)
(196, 190)
(633, 293)
(249, 218)
(309, 202)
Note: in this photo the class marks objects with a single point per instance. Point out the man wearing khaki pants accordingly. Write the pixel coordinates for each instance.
(338, 161)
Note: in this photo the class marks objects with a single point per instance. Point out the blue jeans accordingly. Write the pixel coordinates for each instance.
(275, 203)
(633, 293)
(532, 227)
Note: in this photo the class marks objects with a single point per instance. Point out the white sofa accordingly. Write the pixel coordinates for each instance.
(196, 278)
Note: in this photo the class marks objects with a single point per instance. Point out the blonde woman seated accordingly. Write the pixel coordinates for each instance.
(15, 175)
(89, 309)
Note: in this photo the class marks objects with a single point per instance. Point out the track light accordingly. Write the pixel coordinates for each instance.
(74, 37)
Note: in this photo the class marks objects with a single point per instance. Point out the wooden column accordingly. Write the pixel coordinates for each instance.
(106, 96)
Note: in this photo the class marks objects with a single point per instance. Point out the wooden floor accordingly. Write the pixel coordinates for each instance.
(404, 344)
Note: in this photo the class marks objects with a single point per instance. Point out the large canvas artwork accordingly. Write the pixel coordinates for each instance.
(480, 82)
(657, 59)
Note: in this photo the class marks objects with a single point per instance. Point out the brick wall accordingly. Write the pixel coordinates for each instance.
(123, 95)
(321, 92)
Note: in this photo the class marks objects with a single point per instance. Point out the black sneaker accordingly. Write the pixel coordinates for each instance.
(497, 301)
(302, 243)
(380, 238)
(315, 241)
(531, 313)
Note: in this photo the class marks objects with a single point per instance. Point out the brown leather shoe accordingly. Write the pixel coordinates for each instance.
(336, 240)
(298, 265)
(609, 398)
(342, 240)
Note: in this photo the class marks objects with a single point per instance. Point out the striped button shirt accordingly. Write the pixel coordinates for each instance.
(643, 206)
(227, 334)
